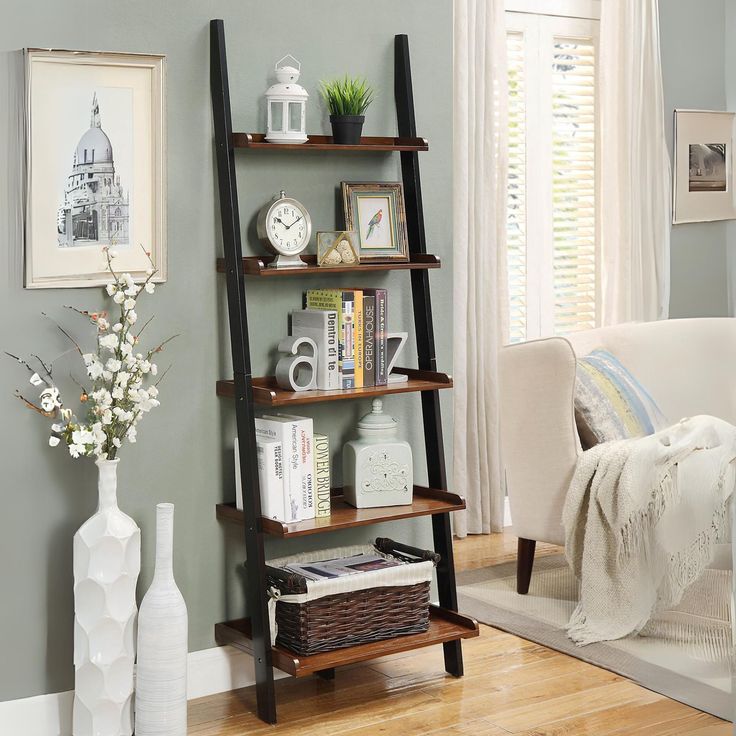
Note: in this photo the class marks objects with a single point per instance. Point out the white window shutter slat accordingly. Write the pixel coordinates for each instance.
(516, 200)
(573, 184)
(553, 258)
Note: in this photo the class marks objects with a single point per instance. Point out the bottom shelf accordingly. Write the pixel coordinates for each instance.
(444, 626)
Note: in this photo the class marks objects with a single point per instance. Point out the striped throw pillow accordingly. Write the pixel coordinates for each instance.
(610, 404)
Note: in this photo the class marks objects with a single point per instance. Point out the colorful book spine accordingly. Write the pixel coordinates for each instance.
(302, 429)
(334, 377)
(321, 326)
(379, 301)
(369, 345)
(381, 330)
(270, 478)
(359, 347)
(354, 334)
(330, 300)
(348, 339)
(322, 474)
(281, 430)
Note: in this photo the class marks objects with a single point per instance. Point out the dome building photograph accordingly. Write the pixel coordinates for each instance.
(95, 208)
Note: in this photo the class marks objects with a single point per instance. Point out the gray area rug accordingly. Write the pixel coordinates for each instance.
(696, 673)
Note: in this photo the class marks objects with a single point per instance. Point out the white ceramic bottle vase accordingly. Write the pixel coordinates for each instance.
(161, 676)
(107, 560)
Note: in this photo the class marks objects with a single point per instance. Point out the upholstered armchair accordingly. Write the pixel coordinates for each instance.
(687, 365)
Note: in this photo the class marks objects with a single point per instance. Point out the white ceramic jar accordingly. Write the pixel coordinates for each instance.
(377, 467)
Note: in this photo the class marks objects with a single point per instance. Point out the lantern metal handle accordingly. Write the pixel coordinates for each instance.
(284, 58)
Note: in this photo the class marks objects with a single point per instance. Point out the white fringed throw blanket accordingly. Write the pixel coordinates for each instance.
(641, 520)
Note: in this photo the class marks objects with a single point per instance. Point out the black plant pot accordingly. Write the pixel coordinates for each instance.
(346, 129)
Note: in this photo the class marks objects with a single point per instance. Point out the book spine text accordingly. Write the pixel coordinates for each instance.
(322, 474)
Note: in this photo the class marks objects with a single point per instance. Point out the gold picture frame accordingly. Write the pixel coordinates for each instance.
(376, 211)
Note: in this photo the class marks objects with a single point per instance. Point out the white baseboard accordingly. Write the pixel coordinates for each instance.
(218, 670)
(210, 671)
(43, 715)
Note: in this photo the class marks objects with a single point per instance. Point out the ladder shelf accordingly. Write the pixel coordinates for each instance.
(447, 627)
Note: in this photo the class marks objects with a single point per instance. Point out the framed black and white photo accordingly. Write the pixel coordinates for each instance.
(96, 157)
(376, 211)
(704, 172)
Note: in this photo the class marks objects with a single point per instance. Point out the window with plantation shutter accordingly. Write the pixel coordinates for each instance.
(552, 199)
(516, 201)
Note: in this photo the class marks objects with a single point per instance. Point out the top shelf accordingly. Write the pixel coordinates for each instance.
(325, 143)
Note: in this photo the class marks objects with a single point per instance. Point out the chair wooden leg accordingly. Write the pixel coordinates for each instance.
(524, 564)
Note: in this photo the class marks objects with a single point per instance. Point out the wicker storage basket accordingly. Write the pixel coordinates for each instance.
(313, 616)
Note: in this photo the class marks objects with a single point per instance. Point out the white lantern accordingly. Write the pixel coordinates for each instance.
(286, 102)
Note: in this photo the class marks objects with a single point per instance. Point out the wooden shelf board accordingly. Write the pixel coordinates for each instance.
(267, 392)
(325, 143)
(444, 626)
(427, 501)
(258, 266)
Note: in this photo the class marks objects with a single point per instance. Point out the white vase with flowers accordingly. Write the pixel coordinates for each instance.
(118, 389)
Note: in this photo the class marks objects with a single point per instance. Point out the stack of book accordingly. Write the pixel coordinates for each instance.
(293, 469)
(349, 327)
(341, 566)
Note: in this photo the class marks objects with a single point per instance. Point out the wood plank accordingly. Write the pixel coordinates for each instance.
(347, 708)
(267, 392)
(444, 626)
(258, 266)
(434, 721)
(720, 729)
(483, 696)
(584, 699)
(367, 144)
(479, 727)
(427, 501)
(640, 719)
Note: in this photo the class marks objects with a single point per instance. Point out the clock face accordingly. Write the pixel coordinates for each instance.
(288, 226)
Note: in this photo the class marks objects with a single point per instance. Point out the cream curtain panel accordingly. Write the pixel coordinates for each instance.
(479, 262)
(635, 188)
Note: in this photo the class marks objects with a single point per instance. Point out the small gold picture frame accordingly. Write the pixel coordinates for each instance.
(338, 248)
(378, 213)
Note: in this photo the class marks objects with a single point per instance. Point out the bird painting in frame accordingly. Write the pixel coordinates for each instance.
(374, 223)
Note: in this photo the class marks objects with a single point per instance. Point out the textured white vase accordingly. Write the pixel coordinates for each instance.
(161, 676)
(107, 560)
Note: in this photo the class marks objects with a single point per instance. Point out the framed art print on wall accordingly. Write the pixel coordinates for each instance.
(376, 211)
(704, 166)
(95, 145)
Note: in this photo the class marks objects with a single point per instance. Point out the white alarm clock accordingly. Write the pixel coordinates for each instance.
(285, 227)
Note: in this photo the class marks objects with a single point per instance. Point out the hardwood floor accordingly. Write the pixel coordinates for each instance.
(511, 686)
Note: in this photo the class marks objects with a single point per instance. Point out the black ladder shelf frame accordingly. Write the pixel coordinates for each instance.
(243, 389)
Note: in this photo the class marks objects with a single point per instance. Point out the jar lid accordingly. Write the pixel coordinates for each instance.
(377, 419)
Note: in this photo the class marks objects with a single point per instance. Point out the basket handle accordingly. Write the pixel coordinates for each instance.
(289, 582)
(411, 554)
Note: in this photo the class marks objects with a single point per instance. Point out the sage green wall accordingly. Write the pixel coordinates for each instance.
(693, 47)
(184, 449)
